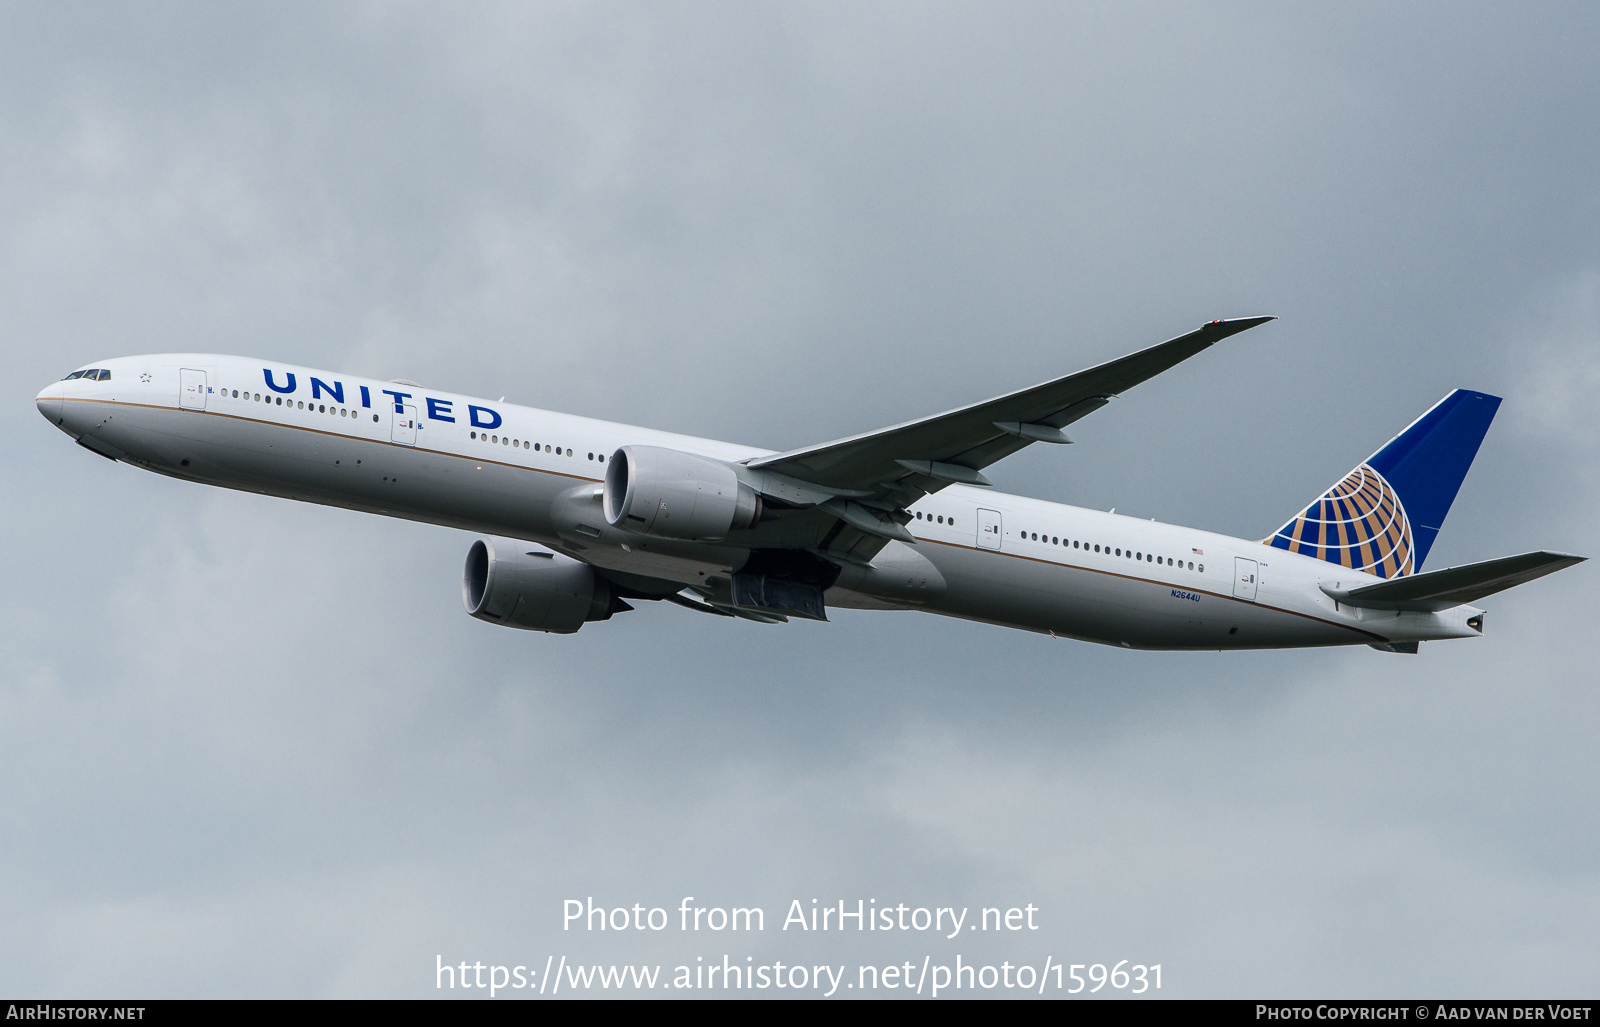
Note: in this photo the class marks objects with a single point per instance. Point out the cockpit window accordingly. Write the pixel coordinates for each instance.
(94, 374)
(75, 374)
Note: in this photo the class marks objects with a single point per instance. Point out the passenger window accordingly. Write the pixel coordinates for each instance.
(602, 458)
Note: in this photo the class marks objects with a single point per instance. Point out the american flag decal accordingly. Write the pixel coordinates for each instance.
(1359, 523)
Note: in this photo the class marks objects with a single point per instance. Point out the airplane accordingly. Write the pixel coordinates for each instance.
(582, 518)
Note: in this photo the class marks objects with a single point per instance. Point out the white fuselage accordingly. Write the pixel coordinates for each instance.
(491, 467)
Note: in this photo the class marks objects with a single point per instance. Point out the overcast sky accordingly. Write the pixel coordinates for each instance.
(254, 748)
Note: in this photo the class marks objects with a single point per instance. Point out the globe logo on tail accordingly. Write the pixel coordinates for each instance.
(1359, 523)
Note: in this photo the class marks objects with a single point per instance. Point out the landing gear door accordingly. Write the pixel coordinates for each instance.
(191, 389)
(989, 529)
(404, 429)
(1245, 573)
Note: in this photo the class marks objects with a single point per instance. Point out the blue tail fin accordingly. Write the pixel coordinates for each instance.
(1383, 516)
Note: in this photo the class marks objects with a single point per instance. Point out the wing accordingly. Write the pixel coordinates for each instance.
(1453, 586)
(956, 445)
(850, 495)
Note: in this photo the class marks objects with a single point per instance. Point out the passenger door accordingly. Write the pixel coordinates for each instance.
(1244, 578)
(989, 529)
(191, 389)
(404, 429)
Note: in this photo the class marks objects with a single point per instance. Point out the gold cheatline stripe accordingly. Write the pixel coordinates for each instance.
(1152, 581)
(338, 435)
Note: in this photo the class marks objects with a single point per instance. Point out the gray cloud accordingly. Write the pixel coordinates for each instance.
(255, 748)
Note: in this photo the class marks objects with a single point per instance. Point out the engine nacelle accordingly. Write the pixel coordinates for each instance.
(670, 494)
(519, 585)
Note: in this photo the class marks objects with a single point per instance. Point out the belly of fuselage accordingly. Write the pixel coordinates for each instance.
(336, 469)
(1115, 608)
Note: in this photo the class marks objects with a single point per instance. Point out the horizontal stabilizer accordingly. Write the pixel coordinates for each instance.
(1440, 590)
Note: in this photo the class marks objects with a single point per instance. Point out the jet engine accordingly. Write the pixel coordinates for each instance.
(670, 494)
(520, 585)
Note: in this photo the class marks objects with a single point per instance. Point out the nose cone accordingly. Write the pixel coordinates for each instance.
(49, 401)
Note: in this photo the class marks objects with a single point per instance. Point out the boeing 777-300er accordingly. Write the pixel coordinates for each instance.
(584, 515)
